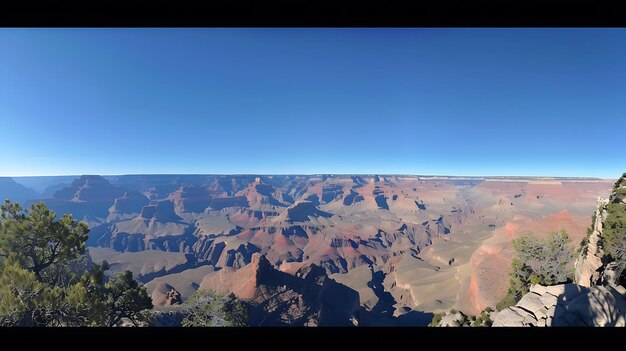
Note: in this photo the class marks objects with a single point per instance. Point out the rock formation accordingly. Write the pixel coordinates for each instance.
(308, 298)
(589, 265)
(191, 199)
(566, 305)
(303, 212)
(162, 211)
(160, 294)
(173, 298)
(86, 198)
(165, 295)
(128, 206)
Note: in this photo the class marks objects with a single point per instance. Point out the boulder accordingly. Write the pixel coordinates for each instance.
(531, 302)
(508, 318)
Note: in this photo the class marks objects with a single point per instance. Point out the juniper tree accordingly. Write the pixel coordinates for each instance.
(44, 280)
(547, 261)
(37, 239)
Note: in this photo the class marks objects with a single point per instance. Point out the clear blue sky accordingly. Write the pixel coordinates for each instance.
(409, 101)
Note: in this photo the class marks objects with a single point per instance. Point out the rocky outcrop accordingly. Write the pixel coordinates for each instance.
(308, 298)
(161, 211)
(303, 212)
(595, 300)
(165, 295)
(330, 193)
(127, 206)
(160, 294)
(222, 252)
(208, 249)
(220, 203)
(138, 234)
(191, 199)
(89, 188)
(157, 228)
(566, 305)
(589, 265)
(173, 298)
(260, 195)
(239, 256)
(88, 197)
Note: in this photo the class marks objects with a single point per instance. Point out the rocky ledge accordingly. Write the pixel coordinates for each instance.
(567, 305)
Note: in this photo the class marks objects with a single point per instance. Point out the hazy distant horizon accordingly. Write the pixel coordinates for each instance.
(308, 174)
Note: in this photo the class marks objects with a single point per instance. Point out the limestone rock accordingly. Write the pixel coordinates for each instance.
(597, 307)
(508, 318)
(530, 320)
(531, 302)
(548, 300)
(541, 313)
(538, 289)
(566, 305)
(564, 291)
(549, 315)
(555, 290)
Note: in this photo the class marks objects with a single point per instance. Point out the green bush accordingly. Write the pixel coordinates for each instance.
(584, 244)
(206, 308)
(546, 261)
(517, 289)
(620, 182)
(614, 228)
(483, 319)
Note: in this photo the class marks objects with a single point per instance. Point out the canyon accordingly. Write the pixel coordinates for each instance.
(393, 248)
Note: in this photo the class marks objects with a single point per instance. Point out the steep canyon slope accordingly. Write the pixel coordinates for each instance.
(404, 243)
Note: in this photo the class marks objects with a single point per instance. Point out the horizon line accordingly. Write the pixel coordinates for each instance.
(311, 174)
